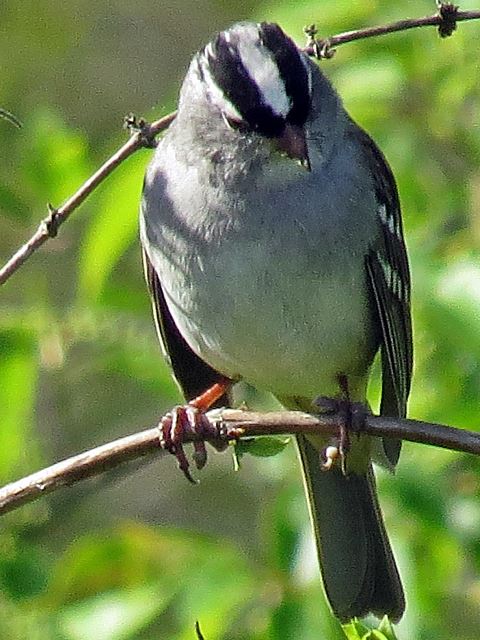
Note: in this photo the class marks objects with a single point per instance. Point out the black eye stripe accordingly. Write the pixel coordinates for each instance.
(230, 75)
(226, 68)
(292, 70)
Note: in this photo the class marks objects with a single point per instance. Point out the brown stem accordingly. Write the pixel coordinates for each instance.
(445, 20)
(229, 424)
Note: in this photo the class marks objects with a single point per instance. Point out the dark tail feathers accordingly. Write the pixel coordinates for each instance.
(358, 568)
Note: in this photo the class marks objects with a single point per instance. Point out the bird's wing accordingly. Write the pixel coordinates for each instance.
(389, 283)
(193, 375)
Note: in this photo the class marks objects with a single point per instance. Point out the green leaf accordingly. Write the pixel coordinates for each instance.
(23, 571)
(283, 522)
(55, 161)
(18, 377)
(355, 630)
(218, 588)
(112, 586)
(375, 634)
(116, 615)
(263, 447)
(124, 559)
(113, 227)
(458, 287)
(386, 628)
(288, 619)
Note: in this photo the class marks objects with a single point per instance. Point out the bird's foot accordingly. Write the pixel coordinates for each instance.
(189, 422)
(351, 419)
(185, 421)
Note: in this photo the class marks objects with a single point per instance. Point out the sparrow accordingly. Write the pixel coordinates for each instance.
(274, 254)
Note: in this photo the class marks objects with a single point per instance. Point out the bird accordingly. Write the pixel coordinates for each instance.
(274, 253)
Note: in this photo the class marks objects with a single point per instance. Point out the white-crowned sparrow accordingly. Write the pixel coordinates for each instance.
(274, 253)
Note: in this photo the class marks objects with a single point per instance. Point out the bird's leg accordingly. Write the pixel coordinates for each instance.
(345, 410)
(351, 419)
(338, 448)
(188, 420)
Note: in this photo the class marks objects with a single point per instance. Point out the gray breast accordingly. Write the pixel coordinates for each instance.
(266, 279)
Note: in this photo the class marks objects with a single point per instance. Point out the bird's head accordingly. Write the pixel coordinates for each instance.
(257, 80)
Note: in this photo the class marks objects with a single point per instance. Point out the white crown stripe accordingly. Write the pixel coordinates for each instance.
(264, 72)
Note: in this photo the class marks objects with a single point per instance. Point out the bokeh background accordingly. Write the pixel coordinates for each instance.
(141, 554)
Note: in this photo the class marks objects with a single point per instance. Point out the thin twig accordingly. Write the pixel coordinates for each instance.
(49, 226)
(227, 422)
(445, 20)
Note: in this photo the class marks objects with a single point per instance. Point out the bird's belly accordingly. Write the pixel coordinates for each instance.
(279, 320)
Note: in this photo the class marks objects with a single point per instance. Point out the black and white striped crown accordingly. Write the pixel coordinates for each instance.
(257, 77)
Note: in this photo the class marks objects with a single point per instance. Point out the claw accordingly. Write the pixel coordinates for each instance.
(199, 454)
(184, 465)
(342, 408)
(184, 421)
(190, 420)
(351, 420)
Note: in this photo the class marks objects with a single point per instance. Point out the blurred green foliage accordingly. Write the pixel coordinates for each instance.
(140, 554)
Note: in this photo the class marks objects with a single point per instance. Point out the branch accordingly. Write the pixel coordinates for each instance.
(446, 20)
(48, 227)
(229, 424)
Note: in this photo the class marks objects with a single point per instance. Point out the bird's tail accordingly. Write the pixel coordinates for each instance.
(357, 564)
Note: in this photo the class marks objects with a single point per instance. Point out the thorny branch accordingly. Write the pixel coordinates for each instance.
(229, 425)
(445, 19)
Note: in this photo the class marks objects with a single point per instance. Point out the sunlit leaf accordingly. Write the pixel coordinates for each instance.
(112, 228)
(55, 161)
(263, 447)
(116, 615)
(18, 377)
(355, 630)
(220, 585)
(386, 628)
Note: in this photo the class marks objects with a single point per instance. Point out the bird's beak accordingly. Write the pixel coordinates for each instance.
(293, 143)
